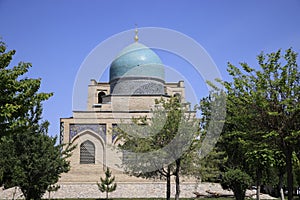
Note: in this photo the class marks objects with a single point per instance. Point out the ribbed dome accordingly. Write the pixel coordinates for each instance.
(137, 60)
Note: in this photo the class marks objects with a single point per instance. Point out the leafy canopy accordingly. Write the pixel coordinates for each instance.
(263, 113)
(30, 159)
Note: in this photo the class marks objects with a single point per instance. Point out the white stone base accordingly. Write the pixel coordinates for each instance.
(129, 190)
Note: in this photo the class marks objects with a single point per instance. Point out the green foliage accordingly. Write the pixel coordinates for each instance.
(107, 184)
(19, 95)
(30, 159)
(35, 161)
(211, 158)
(208, 169)
(263, 113)
(167, 135)
(238, 181)
(157, 147)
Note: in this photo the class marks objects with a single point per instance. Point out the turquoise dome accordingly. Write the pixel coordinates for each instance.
(137, 60)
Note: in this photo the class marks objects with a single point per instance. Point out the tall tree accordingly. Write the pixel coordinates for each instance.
(37, 161)
(248, 150)
(209, 162)
(266, 101)
(30, 158)
(157, 147)
(18, 94)
(209, 168)
(259, 161)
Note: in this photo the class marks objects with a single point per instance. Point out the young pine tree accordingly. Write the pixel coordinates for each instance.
(107, 184)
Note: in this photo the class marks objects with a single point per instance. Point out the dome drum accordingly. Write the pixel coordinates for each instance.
(137, 86)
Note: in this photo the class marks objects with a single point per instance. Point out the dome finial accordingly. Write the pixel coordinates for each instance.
(136, 38)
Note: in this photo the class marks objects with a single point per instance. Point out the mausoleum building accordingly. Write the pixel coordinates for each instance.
(136, 79)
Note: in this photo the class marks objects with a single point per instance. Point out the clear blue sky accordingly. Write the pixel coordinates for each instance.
(57, 35)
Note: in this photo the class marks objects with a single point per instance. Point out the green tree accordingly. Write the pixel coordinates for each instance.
(209, 168)
(209, 164)
(35, 160)
(266, 102)
(238, 181)
(157, 147)
(259, 161)
(30, 159)
(249, 150)
(107, 184)
(18, 94)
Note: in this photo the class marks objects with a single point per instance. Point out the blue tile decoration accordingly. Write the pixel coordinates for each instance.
(100, 129)
(114, 133)
(62, 130)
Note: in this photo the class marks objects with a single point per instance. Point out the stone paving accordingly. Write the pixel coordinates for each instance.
(128, 190)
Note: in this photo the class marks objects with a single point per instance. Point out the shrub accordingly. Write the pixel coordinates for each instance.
(238, 181)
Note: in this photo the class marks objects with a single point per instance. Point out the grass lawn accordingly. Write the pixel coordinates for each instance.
(156, 199)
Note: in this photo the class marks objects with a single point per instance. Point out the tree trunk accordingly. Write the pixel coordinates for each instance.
(168, 183)
(289, 169)
(281, 194)
(178, 162)
(280, 185)
(258, 184)
(258, 192)
(106, 194)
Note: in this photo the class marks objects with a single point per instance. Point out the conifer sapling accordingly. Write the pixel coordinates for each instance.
(107, 184)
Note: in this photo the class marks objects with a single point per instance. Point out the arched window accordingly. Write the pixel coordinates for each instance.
(178, 96)
(100, 97)
(87, 153)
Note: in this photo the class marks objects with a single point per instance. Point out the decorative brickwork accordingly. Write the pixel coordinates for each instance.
(139, 86)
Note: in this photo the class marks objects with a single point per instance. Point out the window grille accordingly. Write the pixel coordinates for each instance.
(87, 153)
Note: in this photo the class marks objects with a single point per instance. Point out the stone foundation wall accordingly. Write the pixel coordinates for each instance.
(124, 190)
(130, 190)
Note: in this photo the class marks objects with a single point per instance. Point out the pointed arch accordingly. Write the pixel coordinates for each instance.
(98, 142)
